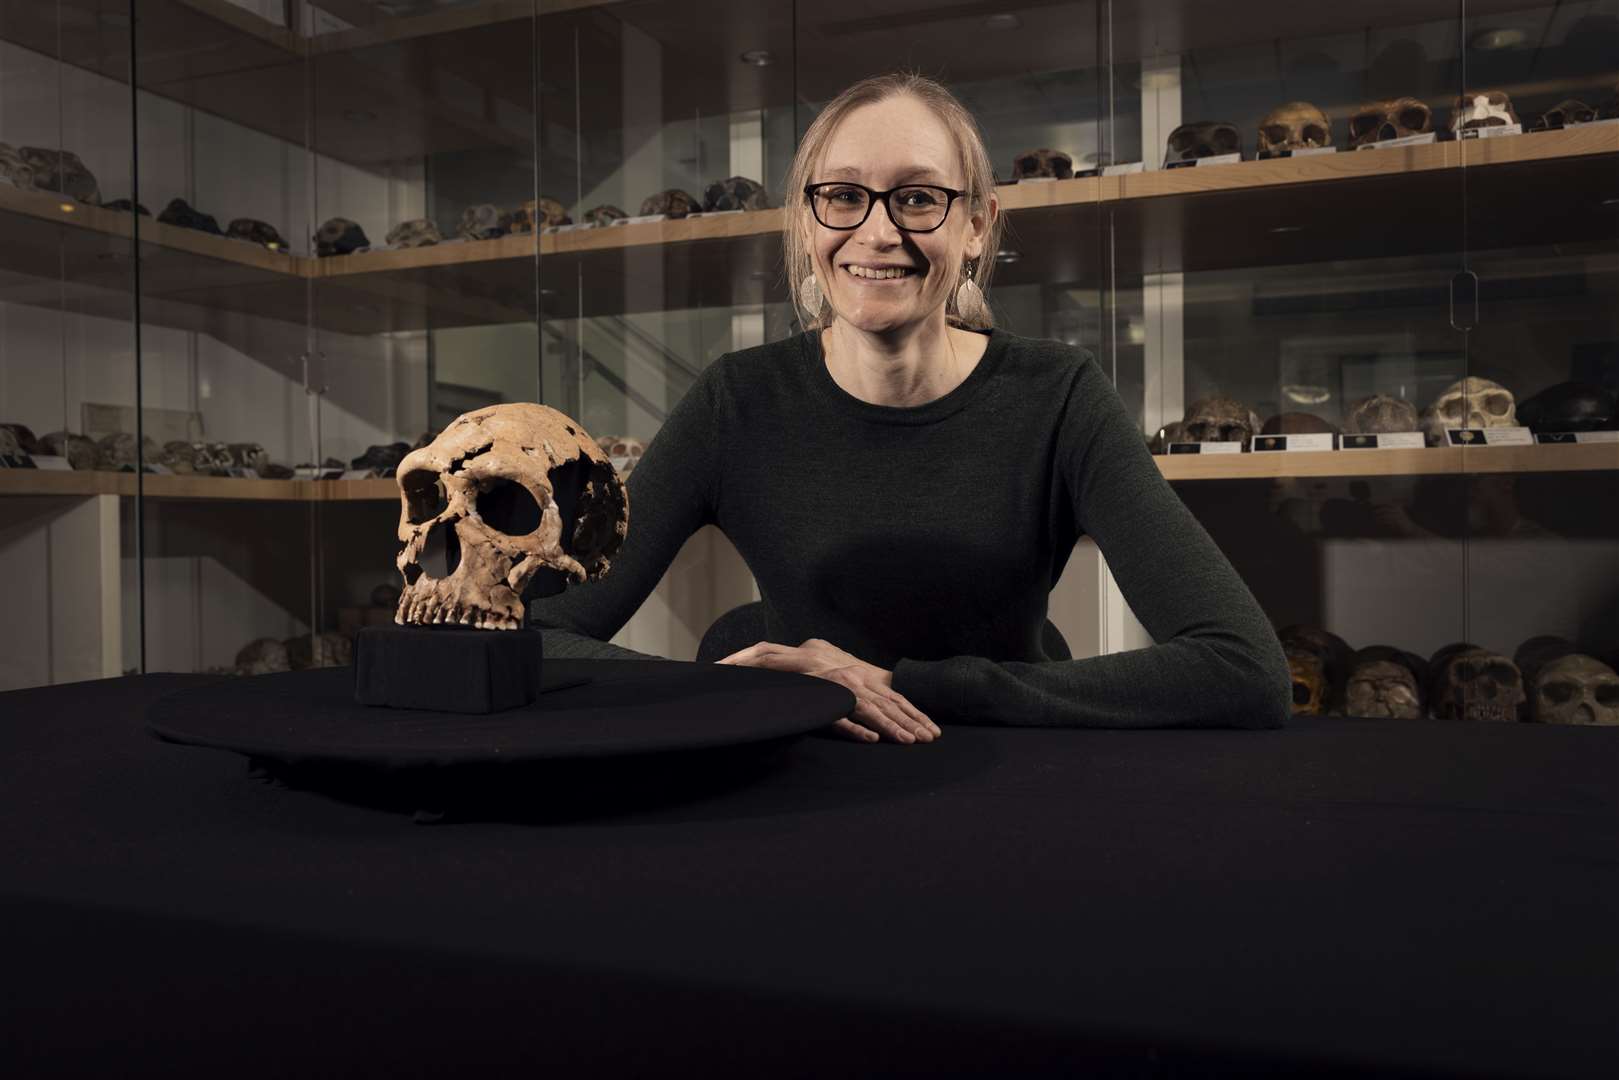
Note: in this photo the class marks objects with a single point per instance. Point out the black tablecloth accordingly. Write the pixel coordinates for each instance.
(1344, 895)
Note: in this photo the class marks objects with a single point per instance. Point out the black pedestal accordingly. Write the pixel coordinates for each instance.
(447, 668)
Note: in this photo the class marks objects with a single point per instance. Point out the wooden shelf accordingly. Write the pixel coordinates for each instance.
(218, 488)
(1431, 461)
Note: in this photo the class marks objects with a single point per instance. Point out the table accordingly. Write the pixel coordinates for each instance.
(1346, 895)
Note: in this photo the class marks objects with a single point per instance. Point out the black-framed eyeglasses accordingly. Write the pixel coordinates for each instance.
(918, 208)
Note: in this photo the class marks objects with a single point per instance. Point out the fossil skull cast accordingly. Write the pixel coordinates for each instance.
(1220, 419)
(1380, 121)
(1207, 138)
(1298, 125)
(1475, 684)
(623, 451)
(1481, 109)
(1383, 688)
(485, 504)
(1576, 689)
(1565, 113)
(1469, 403)
(1379, 414)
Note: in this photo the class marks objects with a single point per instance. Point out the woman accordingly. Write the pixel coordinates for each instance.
(914, 481)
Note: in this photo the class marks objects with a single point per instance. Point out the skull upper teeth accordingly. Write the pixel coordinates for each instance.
(885, 272)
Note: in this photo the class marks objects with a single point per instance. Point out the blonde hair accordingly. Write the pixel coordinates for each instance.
(798, 224)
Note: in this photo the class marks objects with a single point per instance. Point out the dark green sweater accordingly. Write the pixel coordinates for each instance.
(927, 539)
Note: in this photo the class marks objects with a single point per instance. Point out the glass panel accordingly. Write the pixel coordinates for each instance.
(67, 346)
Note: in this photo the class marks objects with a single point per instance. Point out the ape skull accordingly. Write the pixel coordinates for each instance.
(339, 236)
(1220, 419)
(1469, 403)
(540, 213)
(1576, 690)
(1380, 121)
(1298, 125)
(736, 193)
(1189, 142)
(1484, 108)
(1565, 113)
(1053, 163)
(415, 233)
(1382, 688)
(482, 509)
(673, 202)
(1380, 414)
(623, 451)
(1478, 685)
(484, 222)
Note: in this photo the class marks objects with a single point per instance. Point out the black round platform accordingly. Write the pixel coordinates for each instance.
(629, 707)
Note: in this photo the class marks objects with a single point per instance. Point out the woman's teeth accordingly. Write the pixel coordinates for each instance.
(887, 272)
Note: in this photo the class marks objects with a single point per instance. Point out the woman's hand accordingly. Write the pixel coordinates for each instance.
(879, 709)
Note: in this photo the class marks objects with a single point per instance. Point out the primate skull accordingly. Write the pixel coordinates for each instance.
(1298, 125)
(482, 509)
(1189, 142)
(484, 222)
(623, 451)
(736, 193)
(339, 236)
(673, 202)
(1053, 163)
(1380, 121)
(1309, 674)
(1484, 108)
(1478, 685)
(415, 233)
(1576, 690)
(1380, 414)
(1380, 688)
(1565, 113)
(1469, 403)
(1220, 419)
(540, 213)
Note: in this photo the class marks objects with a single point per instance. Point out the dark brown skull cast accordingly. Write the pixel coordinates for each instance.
(1380, 121)
(1298, 125)
(1220, 419)
(495, 466)
(1190, 142)
(1478, 685)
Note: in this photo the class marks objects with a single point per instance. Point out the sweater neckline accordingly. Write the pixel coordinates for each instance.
(927, 413)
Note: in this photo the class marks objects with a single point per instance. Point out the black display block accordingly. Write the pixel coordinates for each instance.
(447, 668)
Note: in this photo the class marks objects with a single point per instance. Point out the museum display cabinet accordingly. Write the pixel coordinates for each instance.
(363, 218)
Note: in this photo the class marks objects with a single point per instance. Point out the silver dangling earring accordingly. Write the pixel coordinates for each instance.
(971, 308)
(810, 299)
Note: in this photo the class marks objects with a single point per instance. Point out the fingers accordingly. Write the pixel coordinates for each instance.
(919, 720)
(854, 731)
(885, 715)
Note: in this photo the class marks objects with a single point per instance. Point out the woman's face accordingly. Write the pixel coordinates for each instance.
(894, 142)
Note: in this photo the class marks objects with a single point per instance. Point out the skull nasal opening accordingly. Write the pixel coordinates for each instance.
(424, 495)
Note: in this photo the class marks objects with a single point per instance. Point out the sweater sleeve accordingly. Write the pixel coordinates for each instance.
(1216, 661)
(672, 493)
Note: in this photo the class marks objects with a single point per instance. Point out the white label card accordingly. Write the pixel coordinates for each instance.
(1124, 169)
(642, 219)
(1217, 159)
(1388, 440)
(1409, 140)
(1317, 440)
(1304, 151)
(1490, 132)
(356, 474)
(1205, 448)
(52, 463)
(1491, 436)
(1545, 438)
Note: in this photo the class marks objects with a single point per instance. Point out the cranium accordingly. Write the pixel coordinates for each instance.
(340, 236)
(1309, 676)
(1380, 121)
(9, 446)
(736, 193)
(1469, 403)
(1470, 683)
(1043, 163)
(24, 435)
(1172, 432)
(623, 451)
(118, 451)
(179, 456)
(1331, 651)
(541, 212)
(381, 459)
(1220, 419)
(1298, 125)
(249, 457)
(484, 222)
(1577, 689)
(182, 214)
(1571, 406)
(415, 233)
(1480, 109)
(674, 202)
(1190, 142)
(262, 657)
(80, 450)
(605, 214)
(482, 510)
(13, 169)
(1565, 113)
(1380, 414)
(256, 232)
(1381, 688)
(61, 171)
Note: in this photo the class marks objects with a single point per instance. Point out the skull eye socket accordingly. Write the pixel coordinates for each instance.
(1225, 139)
(1182, 141)
(1559, 693)
(1497, 404)
(1364, 124)
(1465, 671)
(424, 496)
(1276, 133)
(1582, 114)
(1027, 165)
(1607, 695)
(1454, 409)
(1231, 433)
(1302, 694)
(1315, 135)
(507, 507)
(1502, 673)
(1414, 117)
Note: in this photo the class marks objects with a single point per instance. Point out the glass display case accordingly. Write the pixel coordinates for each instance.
(1289, 233)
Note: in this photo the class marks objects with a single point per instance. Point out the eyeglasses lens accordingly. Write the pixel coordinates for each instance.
(913, 208)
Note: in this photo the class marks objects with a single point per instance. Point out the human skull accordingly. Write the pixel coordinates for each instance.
(1383, 688)
(1309, 674)
(415, 233)
(1380, 121)
(1469, 403)
(1043, 163)
(340, 236)
(484, 222)
(736, 193)
(674, 202)
(262, 657)
(1577, 689)
(542, 212)
(605, 214)
(1189, 142)
(1476, 684)
(1484, 108)
(623, 451)
(1563, 114)
(1220, 419)
(1298, 125)
(256, 232)
(61, 171)
(1380, 414)
(80, 450)
(490, 494)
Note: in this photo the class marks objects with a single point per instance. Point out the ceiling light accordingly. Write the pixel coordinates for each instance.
(758, 57)
(1004, 21)
(1488, 40)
